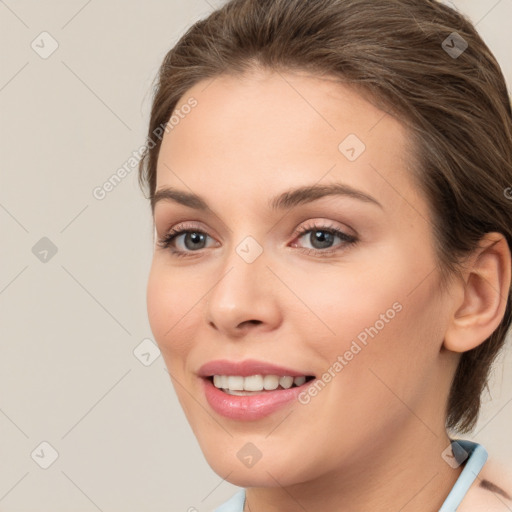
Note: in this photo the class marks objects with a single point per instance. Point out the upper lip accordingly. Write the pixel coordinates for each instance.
(246, 367)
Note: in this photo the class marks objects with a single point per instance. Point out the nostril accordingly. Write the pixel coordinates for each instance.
(253, 322)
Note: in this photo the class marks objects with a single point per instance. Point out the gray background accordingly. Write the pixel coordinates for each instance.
(70, 324)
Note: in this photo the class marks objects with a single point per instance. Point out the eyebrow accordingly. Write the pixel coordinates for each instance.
(285, 200)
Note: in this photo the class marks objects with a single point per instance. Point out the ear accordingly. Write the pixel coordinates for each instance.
(483, 296)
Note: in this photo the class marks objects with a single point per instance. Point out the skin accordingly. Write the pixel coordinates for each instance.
(372, 439)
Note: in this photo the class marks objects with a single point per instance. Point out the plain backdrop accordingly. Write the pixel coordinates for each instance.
(75, 373)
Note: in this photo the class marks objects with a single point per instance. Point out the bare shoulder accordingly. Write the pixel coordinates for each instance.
(491, 491)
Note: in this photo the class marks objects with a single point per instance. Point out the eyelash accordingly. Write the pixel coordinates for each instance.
(166, 241)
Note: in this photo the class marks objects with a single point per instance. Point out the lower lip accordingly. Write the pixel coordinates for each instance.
(250, 407)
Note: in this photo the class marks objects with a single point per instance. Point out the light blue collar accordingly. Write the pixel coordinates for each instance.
(476, 456)
(234, 504)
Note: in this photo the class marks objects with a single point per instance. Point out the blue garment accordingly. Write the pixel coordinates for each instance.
(475, 454)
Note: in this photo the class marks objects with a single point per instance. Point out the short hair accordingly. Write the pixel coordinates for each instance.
(419, 60)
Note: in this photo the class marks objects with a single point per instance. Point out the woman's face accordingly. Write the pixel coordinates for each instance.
(263, 278)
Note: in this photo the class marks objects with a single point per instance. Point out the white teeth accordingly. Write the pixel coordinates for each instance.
(240, 393)
(254, 383)
(286, 382)
(235, 383)
(270, 382)
(298, 381)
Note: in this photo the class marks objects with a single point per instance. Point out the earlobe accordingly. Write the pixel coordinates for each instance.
(486, 288)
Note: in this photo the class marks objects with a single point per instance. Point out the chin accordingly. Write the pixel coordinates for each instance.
(257, 476)
(270, 471)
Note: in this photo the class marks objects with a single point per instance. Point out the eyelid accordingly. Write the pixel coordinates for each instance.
(198, 225)
(325, 224)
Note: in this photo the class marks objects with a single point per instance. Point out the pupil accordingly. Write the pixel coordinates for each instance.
(196, 238)
(323, 237)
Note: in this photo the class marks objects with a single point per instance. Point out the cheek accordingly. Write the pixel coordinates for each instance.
(169, 306)
(342, 303)
(382, 311)
(399, 337)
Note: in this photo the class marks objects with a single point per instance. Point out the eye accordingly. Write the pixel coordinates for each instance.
(321, 237)
(190, 238)
(184, 240)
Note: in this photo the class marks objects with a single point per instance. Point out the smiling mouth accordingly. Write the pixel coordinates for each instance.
(256, 384)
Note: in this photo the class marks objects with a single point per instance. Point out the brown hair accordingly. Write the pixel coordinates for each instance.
(397, 53)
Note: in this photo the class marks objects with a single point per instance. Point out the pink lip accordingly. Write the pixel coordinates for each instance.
(246, 368)
(251, 407)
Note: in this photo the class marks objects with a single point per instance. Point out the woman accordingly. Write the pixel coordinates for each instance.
(330, 185)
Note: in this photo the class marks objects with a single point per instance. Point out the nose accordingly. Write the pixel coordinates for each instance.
(244, 297)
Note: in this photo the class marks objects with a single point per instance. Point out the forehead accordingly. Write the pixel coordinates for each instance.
(267, 131)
